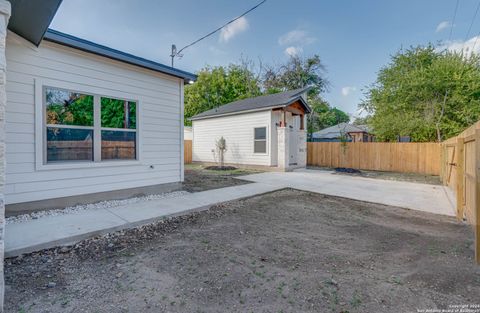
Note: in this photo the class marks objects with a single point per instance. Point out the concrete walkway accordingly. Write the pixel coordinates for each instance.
(422, 197)
(51, 231)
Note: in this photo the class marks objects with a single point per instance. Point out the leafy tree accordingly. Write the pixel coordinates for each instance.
(324, 116)
(300, 72)
(69, 108)
(297, 72)
(426, 94)
(362, 120)
(113, 113)
(216, 86)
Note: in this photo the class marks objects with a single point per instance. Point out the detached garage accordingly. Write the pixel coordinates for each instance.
(265, 131)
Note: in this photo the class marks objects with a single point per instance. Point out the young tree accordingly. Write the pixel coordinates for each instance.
(216, 86)
(425, 94)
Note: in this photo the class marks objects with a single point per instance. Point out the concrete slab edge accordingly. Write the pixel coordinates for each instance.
(130, 225)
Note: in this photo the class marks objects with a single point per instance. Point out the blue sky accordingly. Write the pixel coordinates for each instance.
(353, 38)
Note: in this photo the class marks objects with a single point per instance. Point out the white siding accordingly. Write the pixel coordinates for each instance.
(238, 133)
(160, 127)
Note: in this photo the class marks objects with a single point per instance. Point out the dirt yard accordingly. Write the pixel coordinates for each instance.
(287, 251)
(197, 178)
(410, 177)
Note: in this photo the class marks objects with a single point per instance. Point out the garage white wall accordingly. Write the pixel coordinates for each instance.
(160, 124)
(238, 131)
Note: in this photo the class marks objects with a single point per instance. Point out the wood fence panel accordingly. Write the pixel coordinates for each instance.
(379, 156)
(187, 151)
(460, 169)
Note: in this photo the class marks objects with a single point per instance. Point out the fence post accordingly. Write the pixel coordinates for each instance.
(460, 176)
(476, 209)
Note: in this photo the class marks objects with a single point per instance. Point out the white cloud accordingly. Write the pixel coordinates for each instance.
(472, 45)
(443, 25)
(233, 29)
(346, 91)
(293, 51)
(296, 37)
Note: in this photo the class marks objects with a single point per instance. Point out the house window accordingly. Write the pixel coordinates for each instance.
(260, 140)
(119, 128)
(69, 120)
(86, 127)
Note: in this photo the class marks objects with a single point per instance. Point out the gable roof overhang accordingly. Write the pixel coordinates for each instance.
(30, 18)
(91, 47)
(291, 101)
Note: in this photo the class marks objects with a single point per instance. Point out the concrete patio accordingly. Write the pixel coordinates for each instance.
(51, 231)
(428, 198)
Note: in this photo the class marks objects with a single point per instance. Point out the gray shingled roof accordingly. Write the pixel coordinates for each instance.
(338, 130)
(277, 100)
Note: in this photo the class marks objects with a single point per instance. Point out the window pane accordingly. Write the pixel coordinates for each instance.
(118, 145)
(260, 147)
(68, 108)
(66, 144)
(118, 113)
(260, 133)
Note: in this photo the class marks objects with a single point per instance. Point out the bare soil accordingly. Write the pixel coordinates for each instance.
(410, 177)
(199, 178)
(286, 251)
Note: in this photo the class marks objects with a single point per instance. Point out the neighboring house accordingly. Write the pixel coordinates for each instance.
(85, 122)
(187, 133)
(267, 130)
(344, 131)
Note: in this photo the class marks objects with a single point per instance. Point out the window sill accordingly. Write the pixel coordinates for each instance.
(82, 165)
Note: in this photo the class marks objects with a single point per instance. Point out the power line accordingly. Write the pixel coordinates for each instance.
(453, 21)
(178, 53)
(473, 20)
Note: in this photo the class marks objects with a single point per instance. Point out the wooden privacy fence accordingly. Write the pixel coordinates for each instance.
(460, 171)
(421, 158)
(83, 150)
(187, 151)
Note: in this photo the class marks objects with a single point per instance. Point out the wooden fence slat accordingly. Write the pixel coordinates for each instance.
(421, 158)
(460, 176)
(476, 221)
(187, 151)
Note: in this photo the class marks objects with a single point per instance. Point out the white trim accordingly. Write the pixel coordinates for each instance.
(97, 133)
(236, 113)
(182, 140)
(267, 137)
(86, 164)
(40, 128)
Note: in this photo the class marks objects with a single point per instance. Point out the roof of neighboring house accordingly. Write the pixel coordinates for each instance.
(31, 18)
(338, 130)
(267, 102)
(88, 46)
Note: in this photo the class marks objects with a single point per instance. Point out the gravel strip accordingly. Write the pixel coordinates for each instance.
(92, 206)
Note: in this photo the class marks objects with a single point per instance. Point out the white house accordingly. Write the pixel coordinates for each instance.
(187, 133)
(85, 122)
(267, 131)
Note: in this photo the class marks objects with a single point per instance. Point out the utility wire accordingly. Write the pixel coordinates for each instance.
(473, 20)
(176, 54)
(453, 21)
